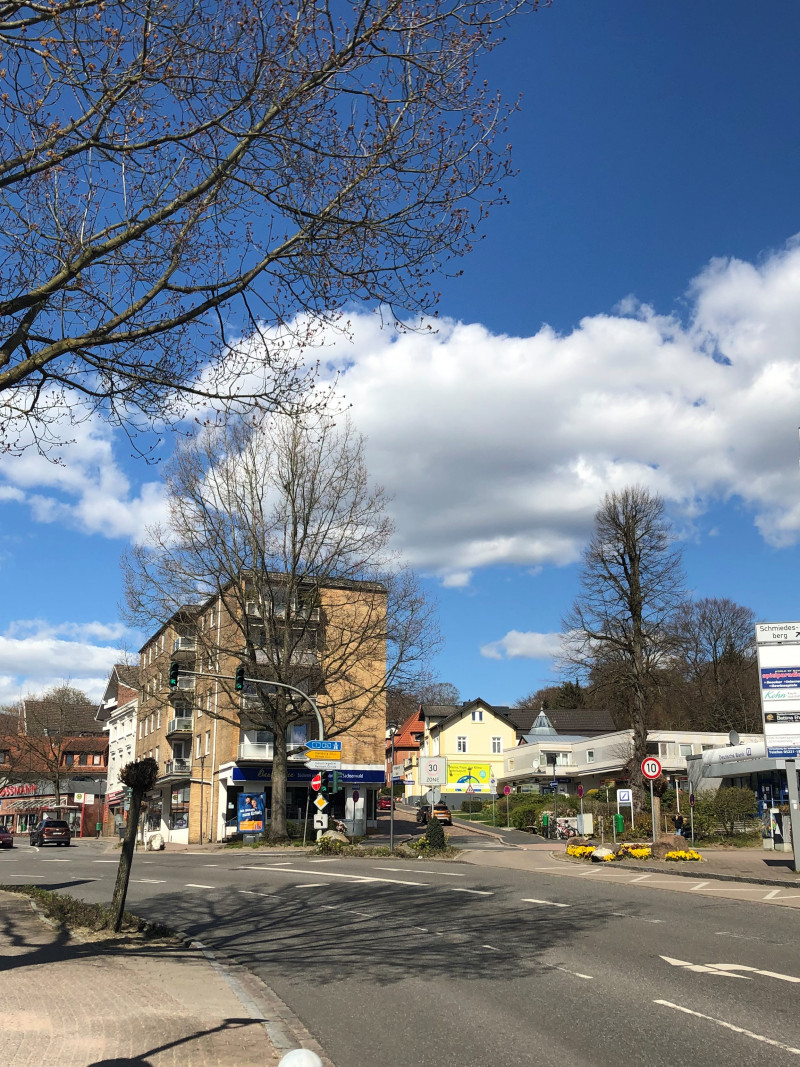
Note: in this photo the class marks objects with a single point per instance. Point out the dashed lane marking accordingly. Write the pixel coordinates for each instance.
(310, 885)
(194, 885)
(416, 870)
(151, 881)
(575, 974)
(729, 1026)
(550, 903)
(352, 877)
(477, 892)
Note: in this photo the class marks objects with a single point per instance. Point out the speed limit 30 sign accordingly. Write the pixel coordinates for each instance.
(651, 768)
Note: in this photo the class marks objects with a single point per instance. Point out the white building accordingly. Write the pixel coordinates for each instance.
(118, 713)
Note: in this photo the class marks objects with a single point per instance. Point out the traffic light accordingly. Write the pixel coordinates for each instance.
(324, 789)
(239, 683)
(336, 781)
(174, 671)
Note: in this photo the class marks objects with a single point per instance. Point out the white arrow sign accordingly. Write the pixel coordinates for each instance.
(725, 970)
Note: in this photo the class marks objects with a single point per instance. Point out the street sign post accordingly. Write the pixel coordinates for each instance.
(316, 783)
(507, 791)
(624, 796)
(321, 821)
(434, 795)
(651, 769)
(322, 764)
(320, 803)
(432, 771)
(324, 746)
(323, 755)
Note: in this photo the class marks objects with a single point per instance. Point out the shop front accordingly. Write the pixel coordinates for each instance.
(22, 807)
(355, 803)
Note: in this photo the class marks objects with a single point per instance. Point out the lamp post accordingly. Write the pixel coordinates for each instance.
(393, 728)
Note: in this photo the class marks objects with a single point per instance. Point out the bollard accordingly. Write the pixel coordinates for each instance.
(301, 1057)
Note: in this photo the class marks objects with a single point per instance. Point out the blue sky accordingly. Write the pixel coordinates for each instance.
(650, 229)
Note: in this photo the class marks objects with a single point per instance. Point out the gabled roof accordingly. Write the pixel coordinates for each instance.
(404, 738)
(41, 717)
(586, 722)
(457, 710)
(122, 675)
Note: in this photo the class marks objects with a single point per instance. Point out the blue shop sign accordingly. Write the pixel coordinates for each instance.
(262, 772)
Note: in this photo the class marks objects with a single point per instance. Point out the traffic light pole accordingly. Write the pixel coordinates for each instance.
(253, 681)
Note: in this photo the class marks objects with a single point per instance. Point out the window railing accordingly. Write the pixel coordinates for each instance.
(178, 766)
(181, 724)
(256, 750)
(184, 644)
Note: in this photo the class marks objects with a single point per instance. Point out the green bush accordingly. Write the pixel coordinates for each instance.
(525, 815)
(434, 835)
(471, 806)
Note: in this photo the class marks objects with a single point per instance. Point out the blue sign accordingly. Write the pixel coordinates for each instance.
(780, 677)
(325, 746)
(783, 750)
(298, 775)
(250, 814)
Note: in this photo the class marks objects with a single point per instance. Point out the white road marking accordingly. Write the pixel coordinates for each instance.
(310, 885)
(194, 885)
(700, 885)
(351, 877)
(211, 865)
(477, 892)
(754, 970)
(641, 877)
(108, 861)
(491, 948)
(702, 968)
(551, 903)
(416, 870)
(772, 893)
(55, 861)
(577, 974)
(653, 920)
(152, 881)
(730, 1026)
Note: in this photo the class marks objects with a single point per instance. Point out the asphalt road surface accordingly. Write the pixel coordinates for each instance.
(459, 964)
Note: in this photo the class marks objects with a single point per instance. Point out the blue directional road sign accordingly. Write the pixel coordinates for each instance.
(325, 746)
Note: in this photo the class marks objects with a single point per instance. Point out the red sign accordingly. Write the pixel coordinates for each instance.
(580, 791)
(18, 791)
(651, 768)
(356, 795)
(316, 782)
(506, 789)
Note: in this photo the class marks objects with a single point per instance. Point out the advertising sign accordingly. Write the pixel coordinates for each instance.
(432, 771)
(461, 775)
(251, 813)
(778, 646)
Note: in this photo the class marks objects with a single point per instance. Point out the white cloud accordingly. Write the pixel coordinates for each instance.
(524, 645)
(498, 449)
(35, 655)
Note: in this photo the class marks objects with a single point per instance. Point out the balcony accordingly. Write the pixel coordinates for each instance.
(255, 750)
(185, 682)
(177, 768)
(181, 724)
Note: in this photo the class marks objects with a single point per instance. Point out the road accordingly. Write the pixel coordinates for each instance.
(514, 958)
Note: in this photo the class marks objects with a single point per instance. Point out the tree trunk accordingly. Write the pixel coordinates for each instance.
(277, 825)
(656, 813)
(125, 863)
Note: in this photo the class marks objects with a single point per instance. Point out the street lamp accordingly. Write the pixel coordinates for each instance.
(392, 727)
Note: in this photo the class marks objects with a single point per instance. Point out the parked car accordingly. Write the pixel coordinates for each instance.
(51, 832)
(385, 804)
(6, 838)
(442, 813)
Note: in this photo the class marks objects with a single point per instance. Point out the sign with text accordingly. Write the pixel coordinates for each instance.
(432, 771)
(250, 813)
(461, 775)
(778, 647)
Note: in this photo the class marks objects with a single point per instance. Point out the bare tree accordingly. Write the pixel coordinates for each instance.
(716, 664)
(401, 703)
(631, 586)
(277, 520)
(175, 175)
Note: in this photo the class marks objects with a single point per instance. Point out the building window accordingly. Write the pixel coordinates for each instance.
(477, 716)
(511, 765)
(590, 755)
(197, 744)
(461, 744)
(83, 759)
(685, 750)
(158, 719)
(497, 745)
(208, 741)
(3, 757)
(69, 759)
(156, 757)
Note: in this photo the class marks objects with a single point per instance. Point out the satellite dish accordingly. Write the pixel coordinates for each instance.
(733, 738)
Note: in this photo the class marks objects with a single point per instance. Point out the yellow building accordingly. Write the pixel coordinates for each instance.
(324, 638)
(472, 737)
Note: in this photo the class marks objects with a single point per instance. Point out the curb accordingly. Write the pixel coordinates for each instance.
(694, 873)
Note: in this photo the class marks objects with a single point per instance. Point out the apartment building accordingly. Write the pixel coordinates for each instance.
(207, 738)
(118, 715)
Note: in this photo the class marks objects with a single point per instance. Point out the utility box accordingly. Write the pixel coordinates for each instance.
(586, 824)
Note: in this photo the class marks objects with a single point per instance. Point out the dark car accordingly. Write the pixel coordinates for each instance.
(442, 813)
(6, 838)
(51, 832)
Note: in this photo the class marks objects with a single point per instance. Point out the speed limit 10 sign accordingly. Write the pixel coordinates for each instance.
(651, 768)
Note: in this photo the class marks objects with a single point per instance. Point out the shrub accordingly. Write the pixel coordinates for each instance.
(434, 835)
(472, 806)
(732, 805)
(525, 815)
(329, 846)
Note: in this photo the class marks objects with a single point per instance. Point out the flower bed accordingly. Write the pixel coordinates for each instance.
(635, 852)
(683, 854)
(581, 851)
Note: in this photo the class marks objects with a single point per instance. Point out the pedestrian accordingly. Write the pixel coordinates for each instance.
(678, 821)
(98, 826)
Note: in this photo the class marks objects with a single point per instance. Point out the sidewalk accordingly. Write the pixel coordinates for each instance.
(129, 1003)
